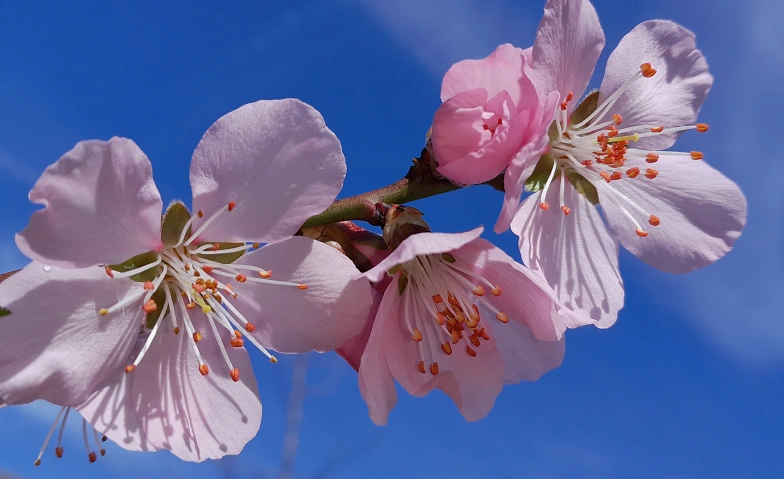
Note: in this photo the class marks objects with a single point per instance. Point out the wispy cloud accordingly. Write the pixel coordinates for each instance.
(17, 169)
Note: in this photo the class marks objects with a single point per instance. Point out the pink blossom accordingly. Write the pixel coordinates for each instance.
(489, 113)
(199, 291)
(670, 209)
(461, 316)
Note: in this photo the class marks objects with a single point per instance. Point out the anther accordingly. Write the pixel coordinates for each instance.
(417, 336)
(421, 367)
(470, 351)
(204, 369)
(474, 340)
(265, 274)
(502, 317)
(486, 127)
(200, 214)
(197, 337)
(566, 210)
(479, 290)
(483, 333)
(650, 173)
(544, 206)
(564, 105)
(232, 204)
(437, 299)
(696, 155)
(92, 457)
(109, 271)
(37, 462)
(446, 348)
(103, 452)
(103, 311)
(148, 285)
(606, 176)
(646, 70)
(235, 375)
(617, 119)
(569, 96)
(190, 305)
(702, 127)
(176, 330)
(241, 278)
(302, 286)
(633, 172)
(149, 306)
(616, 175)
(440, 319)
(651, 158)
(207, 268)
(58, 451)
(455, 336)
(496, 291)
(654, 220)
(657, 129)
(237, 343)
(130, 368)
(641, 233)
(249, 327)
(434, 369)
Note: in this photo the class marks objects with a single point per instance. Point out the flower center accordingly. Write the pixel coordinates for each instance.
(436, 325)
(191, 275)
(58, 450)
(590, 149)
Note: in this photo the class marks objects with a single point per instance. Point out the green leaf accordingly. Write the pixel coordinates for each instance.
(583, 186)
(541, 172)
(585, 108)
(136, 262)
(226, 258)
(4, 312)
(174, 220)
(159, 296)
(402, 282)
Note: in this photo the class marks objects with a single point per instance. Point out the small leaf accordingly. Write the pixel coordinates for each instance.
(159, 296)
(4, 312)
(583, 186)
(136, 262)
(541, 172)
(448, 258)
(585, 108)
(226, 258)
(174, 220)
(402, 282)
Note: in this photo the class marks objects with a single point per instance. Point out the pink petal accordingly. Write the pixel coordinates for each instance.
(196, 417)
(276, 160)
(101, 206)
(526, 298)
(473, 383)
(501, 71)
(702, 213)
(567, 46)
(458, 125)
(55, 346)
(674, 95)
(375, 381)
(112, 412)
(353, 349)
(525, 357)
(490, 156)
(332, 309)
(576, 254)
(421, 244)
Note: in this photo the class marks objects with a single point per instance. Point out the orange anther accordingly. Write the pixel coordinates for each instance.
(496, 291)
(237, 334)
(273, 359)
(616, 175)
(617, 119)
(434, 369)
(455, 336)
(544, 206)
(452, 300)
(479, 290)
(587, 162)
(696, 155)
(58, 451)
(232, 204)
(265, 274)
(470, 351)
(421, 367)
(129, 368)
(569, 96)
(702, 127)
(440, 319)
(176, 330)
(190, 305)
(103, 311)
(417, 336)
(474, 340)
(207, 268)
(502, 317)
(633, 172)
(302, 286)
(149, 285)
(650, 173)
(200, 214)
(241, 278)
(437, 299)
(197, 337)
(109, 271)
(235, 375)
(606, 176)
(446, 348)
(641, 233)
(204, 370)
(92, 457)
(566, 210)
(654, 220)
(215, 247)
(249, 327)
(483, 333)
(564, 105)
(149, 306)
(237, 343)
(651, 157)
(646, 70)
(657, 129)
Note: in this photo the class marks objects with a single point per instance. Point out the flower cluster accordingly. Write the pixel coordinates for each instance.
(138, 317)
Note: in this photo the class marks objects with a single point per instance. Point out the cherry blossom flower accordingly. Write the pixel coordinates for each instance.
(107, 271)
(669, 208)
(459, 315)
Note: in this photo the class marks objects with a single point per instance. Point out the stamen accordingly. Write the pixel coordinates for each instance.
(90, 454)
(49, 436)
(696, 155)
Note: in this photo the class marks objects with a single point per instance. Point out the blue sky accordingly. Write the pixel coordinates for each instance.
(687, 384)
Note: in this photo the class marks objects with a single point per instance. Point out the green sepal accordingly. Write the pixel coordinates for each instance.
(174, 220)
(394, 269)
(4, 312)
(226, 258)
(159, 296)
(583, 186)
(402, 282)
(448, 258)
(137, 262)
(541, 172)
(585, 108)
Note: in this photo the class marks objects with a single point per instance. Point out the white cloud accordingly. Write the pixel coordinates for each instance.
(17, 170)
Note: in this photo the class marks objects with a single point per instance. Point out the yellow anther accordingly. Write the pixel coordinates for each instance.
(103, 311)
